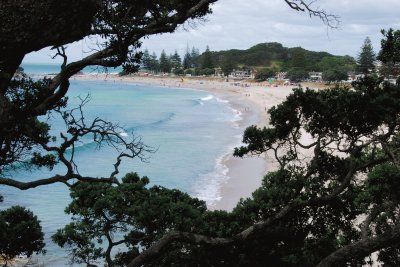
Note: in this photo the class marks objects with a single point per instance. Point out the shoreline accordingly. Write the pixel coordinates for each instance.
(252, 100)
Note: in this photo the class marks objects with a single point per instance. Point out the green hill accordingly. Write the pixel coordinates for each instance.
(279, 58)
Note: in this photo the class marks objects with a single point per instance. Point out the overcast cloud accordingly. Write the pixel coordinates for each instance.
(241, 24)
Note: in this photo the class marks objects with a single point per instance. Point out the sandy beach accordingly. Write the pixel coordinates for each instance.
(251, 99)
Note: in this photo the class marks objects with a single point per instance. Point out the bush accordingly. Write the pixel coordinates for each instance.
(334, 75)
(297, 74)
(208, 72)
(264, 74)
(21, 233)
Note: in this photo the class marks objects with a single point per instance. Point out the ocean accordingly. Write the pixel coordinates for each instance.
(47, 69)
(191, 130)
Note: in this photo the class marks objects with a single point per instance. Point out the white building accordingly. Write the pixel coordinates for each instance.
(315, 76)
(242, 74)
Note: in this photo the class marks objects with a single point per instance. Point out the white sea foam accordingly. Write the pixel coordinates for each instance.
(237, 116)
(209, 184)
(81, 144)
(222, 100)
(207, 98)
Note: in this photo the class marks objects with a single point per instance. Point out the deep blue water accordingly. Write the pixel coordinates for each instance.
(190, 129)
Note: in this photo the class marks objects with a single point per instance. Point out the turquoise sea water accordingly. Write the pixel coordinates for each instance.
(43, 69)
(192, 130)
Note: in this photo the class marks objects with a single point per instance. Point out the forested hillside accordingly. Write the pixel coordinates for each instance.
(280, 58)
(266, 59)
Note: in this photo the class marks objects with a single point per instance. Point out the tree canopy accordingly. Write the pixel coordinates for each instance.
(332, 201)
(366, 57)
(227, 66)
(276, 56)
(335, 75)
(25, 141)
(165, 64)
(143, 214)
(206, 59)
(264, 74)
(297, 74)
(390, 52)
(344, 169)
(27, 26)
(176, 61)
(21, 234)
(121, 24)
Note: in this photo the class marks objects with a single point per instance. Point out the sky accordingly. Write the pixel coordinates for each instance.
(241, 24)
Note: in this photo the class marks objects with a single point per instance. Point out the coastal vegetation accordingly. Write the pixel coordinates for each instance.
(389, 55)
(25, 141)
(265, 58)
(333, 200)
(21, 233)
(276, 57)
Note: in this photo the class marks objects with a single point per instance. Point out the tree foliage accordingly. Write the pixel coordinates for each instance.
(298, 58)
(227, 66)
(335, 75)
(297, 74)
(351, 136)
(28, 26)
(366, 58)
(207, 59)
(176, 61)
(165, 63)
(155, 64)
(23, 138)
(146, 60)
(187, 59)
(333, 199)
(20, 233)
(194, 56)
(264, 74)
(344, 64)
(25, 141)
(390, 52)
(128, 213)
(280, 58)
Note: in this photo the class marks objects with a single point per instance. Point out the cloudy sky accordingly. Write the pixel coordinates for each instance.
(241, 24)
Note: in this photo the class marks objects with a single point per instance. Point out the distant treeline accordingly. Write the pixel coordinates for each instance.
(192, 63)
(264, 58)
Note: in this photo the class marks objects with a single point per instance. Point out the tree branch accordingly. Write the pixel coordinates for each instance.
(51, 180)
(362, 248)
(157, 247)
(332, 21)
(174, 236)
(103, 132)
